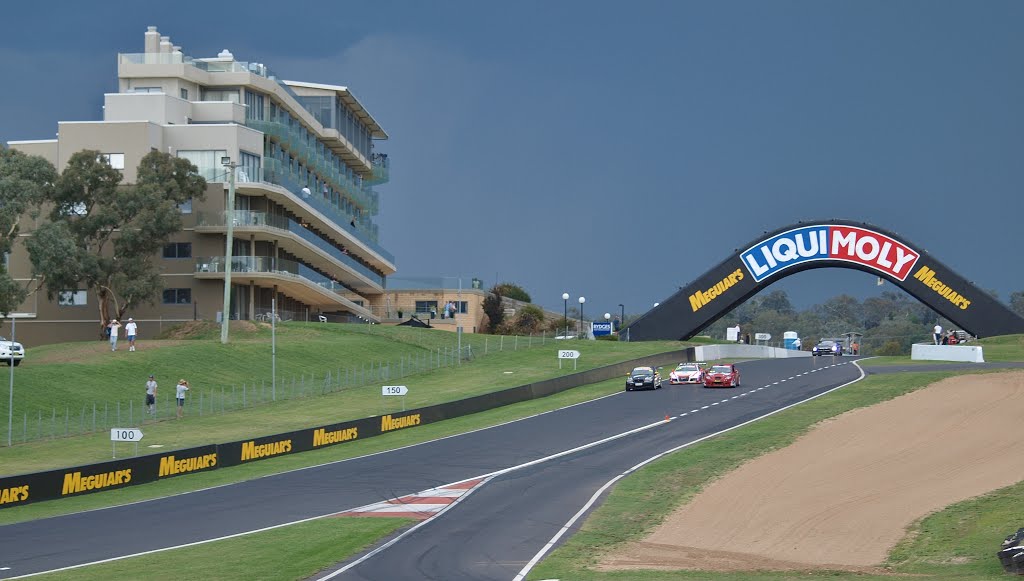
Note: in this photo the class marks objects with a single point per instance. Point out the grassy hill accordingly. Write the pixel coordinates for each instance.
(67, 396)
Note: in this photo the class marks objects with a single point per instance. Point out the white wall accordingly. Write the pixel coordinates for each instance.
(712, 352)
(970, 353)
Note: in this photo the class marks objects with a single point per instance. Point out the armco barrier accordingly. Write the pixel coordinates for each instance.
(25, 488)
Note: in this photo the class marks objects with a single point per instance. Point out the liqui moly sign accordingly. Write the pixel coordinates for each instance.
(830, 242)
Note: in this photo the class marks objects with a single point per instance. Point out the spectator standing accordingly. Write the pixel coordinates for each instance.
(114, 327)
(151, 396)
(129, 330)
(937, 333)
(305, 192)
(179, 394)
(796, 344)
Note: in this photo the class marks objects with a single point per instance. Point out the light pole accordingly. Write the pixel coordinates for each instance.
(608, 320)
(565, 317)
(582, 300)
(10, 400)
(622, 317)
(229, 217)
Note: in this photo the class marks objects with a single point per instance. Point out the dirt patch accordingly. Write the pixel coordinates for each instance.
(90, 351)
(843, 495)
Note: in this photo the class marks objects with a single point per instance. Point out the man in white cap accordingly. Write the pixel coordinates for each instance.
(130, 329)
(114, 327)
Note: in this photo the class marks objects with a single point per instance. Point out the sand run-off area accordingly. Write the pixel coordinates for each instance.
(843, 495)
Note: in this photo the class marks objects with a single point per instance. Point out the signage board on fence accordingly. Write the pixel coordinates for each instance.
(125, 434)
(601, 328)
(762, 336)
(568, 354)
(394, 390)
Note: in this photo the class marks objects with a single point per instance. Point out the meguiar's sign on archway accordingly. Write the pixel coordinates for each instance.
(826, 244)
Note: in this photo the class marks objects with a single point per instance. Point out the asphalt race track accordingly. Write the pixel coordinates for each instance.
(492, 533)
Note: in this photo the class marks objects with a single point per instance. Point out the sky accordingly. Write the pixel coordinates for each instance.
(616, 151)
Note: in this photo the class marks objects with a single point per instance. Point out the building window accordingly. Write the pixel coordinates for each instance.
(71, 298)
(220, 95)
(184, 94)
(116, 160)
(253, 105)
(462, 307)
(178, 250)
(185, 207)
(249, 170)
(177, 296)
(146, 90)
(207, 162)
(426, 306)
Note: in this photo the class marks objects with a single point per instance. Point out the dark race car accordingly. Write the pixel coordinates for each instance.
(643, 378)
(827, 347)
(723, 375)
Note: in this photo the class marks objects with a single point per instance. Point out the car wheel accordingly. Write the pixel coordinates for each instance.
(17, 362)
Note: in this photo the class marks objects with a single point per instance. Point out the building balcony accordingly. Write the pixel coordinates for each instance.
(381, 169)
(298, 240)
(291, 278)
(358, 237)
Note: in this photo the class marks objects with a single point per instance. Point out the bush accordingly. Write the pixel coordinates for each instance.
(607, 337)
(891, 348)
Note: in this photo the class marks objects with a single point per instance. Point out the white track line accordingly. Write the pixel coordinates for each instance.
(593, 499)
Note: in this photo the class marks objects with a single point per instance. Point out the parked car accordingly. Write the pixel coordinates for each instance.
(686, 373)
(11, 352)
(722, 375)
(643, 378)
(827, 347)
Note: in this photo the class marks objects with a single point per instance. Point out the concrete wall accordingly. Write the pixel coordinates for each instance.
(712, 352)
(926, 352)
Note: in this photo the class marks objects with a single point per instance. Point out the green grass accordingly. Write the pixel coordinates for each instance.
(312, 345)
(293, 552)
(641, 501)
(284, 463)
(996, 350)
(957, 543)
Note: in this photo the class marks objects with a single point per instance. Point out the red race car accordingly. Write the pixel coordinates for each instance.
(723, 375)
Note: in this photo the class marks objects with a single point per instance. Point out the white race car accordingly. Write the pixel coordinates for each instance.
(687, 373)
(11, 352)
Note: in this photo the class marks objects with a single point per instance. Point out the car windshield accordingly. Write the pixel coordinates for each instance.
(642, 372)
(688, 367)
(826, 344)
(722, 369)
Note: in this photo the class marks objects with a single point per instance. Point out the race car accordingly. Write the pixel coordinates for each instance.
(686, 373)
(643, 378)
(723, 375)
(826, 347)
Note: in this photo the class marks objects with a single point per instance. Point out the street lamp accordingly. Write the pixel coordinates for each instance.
(608, 320)
(229, 216)
(622, 317)
(582, 300)
(565, 317)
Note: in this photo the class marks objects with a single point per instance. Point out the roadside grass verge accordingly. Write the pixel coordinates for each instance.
(641, 501)
(485, 374)
(293, 552)
(280, 464)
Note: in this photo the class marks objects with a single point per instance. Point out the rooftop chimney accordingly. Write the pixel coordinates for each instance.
(225, 54)
(152, 40)
(165, 45)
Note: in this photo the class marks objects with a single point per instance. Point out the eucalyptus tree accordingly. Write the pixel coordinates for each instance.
(104, 235)
(25, 181)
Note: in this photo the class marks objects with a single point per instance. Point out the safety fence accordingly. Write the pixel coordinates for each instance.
(53, 484)
(72, 420)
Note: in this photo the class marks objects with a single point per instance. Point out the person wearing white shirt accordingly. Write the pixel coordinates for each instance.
(179, 394)
(129, 330)
(937, 333)
(114, 327)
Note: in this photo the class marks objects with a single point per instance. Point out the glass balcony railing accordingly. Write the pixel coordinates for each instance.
(248, 218)
(365, 232)
(271, 265)
(291, 140)
(381, 168)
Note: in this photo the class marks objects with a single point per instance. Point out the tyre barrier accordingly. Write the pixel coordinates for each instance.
(1011, 556)
(113, 474)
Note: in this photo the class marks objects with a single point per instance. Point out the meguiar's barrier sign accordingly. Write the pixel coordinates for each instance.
(25, 488)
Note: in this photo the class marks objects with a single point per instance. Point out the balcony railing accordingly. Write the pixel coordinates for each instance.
(271, 265)
(263, 219)
(292, 140)
(381, 168)
(364, 232)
